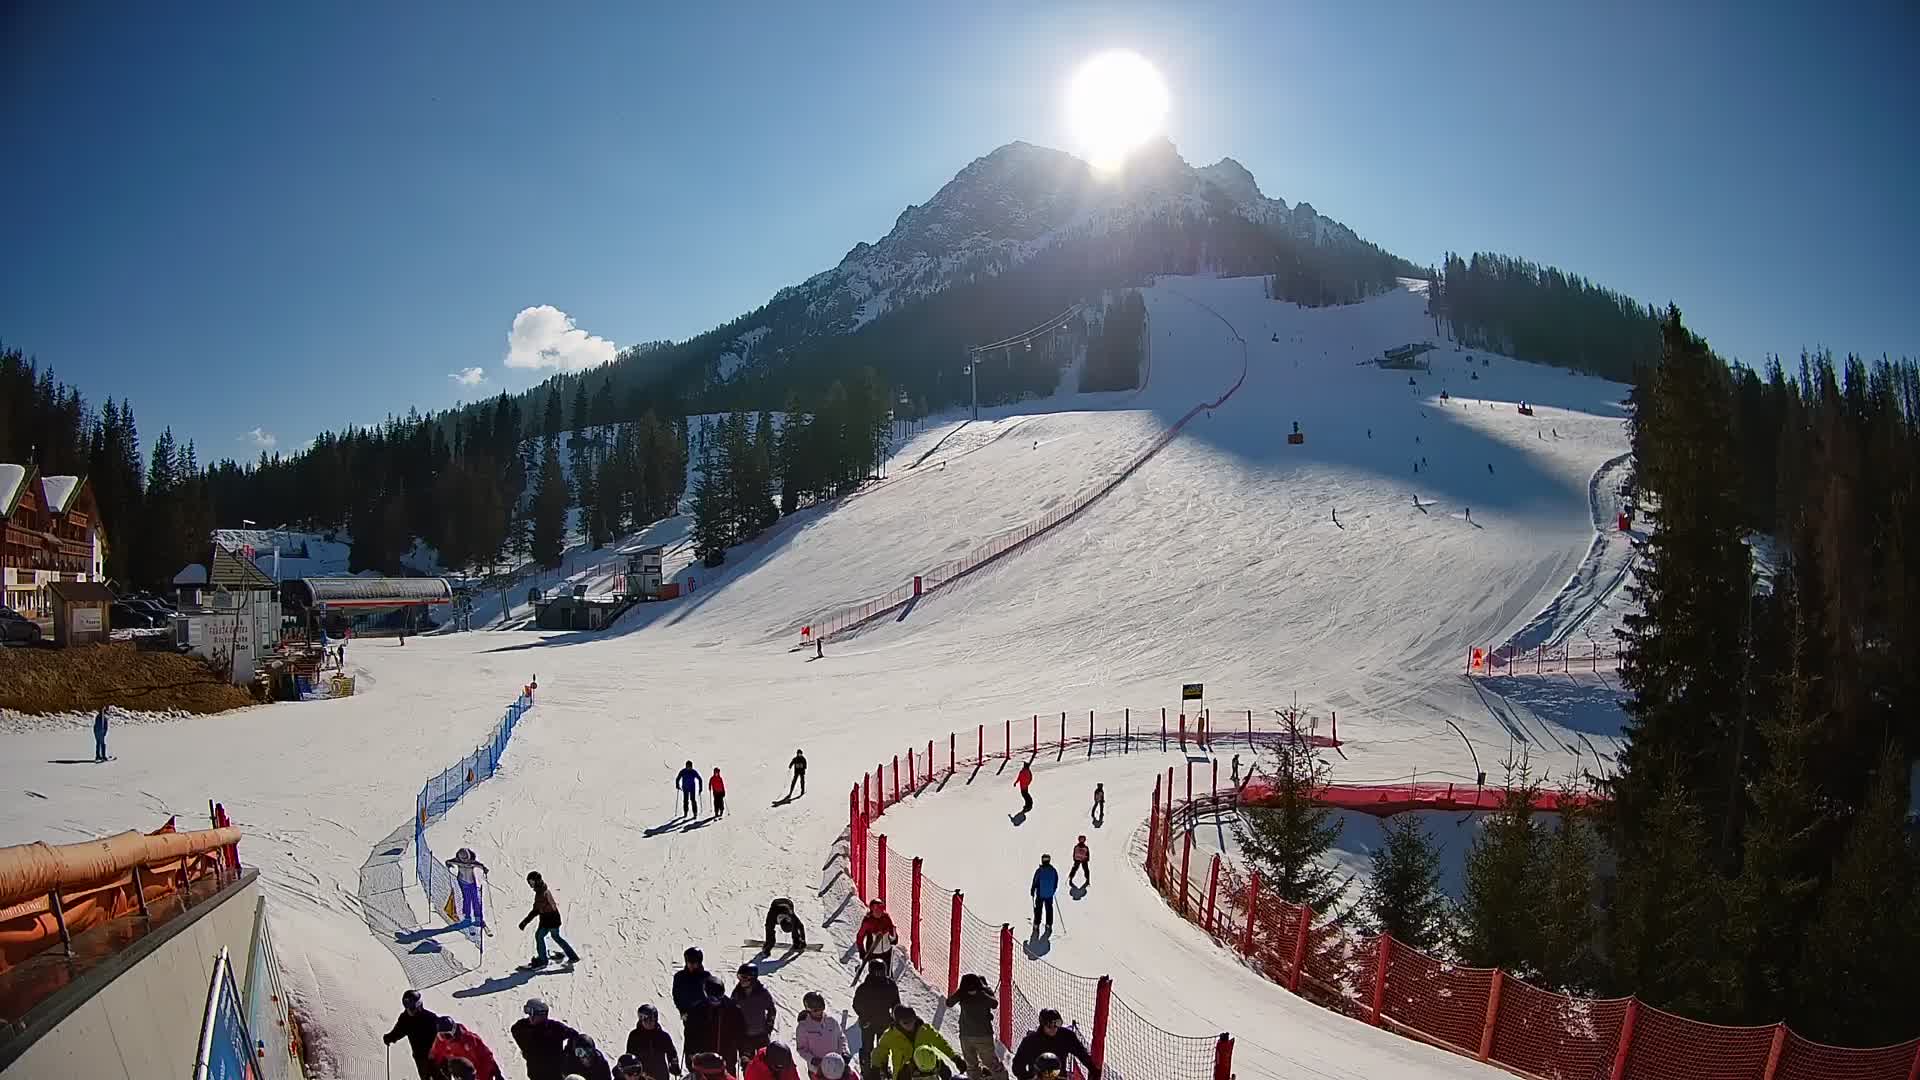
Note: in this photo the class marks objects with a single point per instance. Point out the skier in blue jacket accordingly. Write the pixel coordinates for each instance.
(690, 782)
(1046, 881)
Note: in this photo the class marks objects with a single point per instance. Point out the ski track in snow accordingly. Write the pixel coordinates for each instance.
(1216, 561)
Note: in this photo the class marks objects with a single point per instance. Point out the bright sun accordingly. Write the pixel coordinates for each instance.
(1117, 101)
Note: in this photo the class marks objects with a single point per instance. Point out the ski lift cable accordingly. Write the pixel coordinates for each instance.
(1026, 336)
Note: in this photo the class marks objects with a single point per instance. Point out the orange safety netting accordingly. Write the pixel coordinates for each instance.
(95, 882)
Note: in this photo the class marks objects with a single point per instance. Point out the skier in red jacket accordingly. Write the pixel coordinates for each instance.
(1023, 782)
(455, 1043)
(876, 934)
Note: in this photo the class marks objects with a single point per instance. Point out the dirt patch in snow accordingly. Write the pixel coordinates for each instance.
(122, 674)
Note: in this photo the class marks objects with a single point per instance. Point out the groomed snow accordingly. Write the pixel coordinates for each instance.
(1217, 562)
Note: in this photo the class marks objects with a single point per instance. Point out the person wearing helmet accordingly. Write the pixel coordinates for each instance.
(690, 982)
(543, 1042)
(1046, 882)
(463, 864)
(629, 1068)
(707, 1065)
(417, 1026)
(815, 1034)
(714, 1026)
(588, 1062)
(925, 1063)
(876, 934)
(1046, 1067)
(651, 1046)
(834, 1067)
(781, 916)
(773, 1061)
(906, 1038)
(547, 910)
(756, 1009)
(1081, 853)
(1051, 1037)
(454, 1045)
(873, 1005)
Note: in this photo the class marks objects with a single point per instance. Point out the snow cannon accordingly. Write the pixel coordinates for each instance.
(1296, 437)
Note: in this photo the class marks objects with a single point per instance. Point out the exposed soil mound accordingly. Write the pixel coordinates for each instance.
(84, 678)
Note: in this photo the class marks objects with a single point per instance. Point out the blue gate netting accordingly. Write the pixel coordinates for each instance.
(441, 792)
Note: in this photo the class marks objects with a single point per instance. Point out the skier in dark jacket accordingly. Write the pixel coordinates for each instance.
(873, 1005)
(587, 1062)
(780, 916)
(976, 1003)
(651, 1043)
(799, 767)
(714, 1025)
(543, 1042)
(1051, 1038)
(756, 1009)
(690, 984)
(689, 782)
(417, 1026)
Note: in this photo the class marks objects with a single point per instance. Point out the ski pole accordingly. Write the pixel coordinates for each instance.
(389, 1061)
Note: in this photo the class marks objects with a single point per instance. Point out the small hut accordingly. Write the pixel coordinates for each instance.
(81, 612)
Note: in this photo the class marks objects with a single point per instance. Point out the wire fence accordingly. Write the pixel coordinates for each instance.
(1478, 1012)
(842, 619)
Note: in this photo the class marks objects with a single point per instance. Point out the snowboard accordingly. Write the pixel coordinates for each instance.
(551, 965)
(756, 943)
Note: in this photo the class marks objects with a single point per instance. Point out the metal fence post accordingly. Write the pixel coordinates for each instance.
(1253, 913)
(953, 944)
(1006, 986)
(1223, 1058)
(1626, 1040)
(913, 937)
(1299, 945)
(882, 883)
(1102, 1009)
(1493, 1017)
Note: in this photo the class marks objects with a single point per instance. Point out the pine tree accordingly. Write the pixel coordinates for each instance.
(550, 502)
(1564, 946)
(1667, 912)
(712, 514)
(1404, 898)
(1861, 951)
(1499, 920)
(1288, 836)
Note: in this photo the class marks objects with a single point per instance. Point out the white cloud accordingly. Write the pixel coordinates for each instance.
(472, 376)
(545, 337)
(260, 438)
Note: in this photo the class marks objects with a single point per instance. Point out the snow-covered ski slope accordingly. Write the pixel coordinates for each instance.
(1217, 561)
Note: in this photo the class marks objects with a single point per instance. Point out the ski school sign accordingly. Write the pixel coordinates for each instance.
(1192, 691)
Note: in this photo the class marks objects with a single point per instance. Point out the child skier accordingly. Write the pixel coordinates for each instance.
(1023, 782)
(876, 934)
(463, 864)
(1099, 802)
(1081, 853)
(717, 787)
(799, 767)
(547, 910)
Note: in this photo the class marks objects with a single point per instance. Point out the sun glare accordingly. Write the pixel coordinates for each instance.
(1116, 102)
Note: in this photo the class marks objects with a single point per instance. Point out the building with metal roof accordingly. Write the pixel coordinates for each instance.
(324, 593)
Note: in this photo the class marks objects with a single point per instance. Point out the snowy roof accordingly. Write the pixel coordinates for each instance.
(191, 574)
(11, 477)
(229, 571)
(59, 491)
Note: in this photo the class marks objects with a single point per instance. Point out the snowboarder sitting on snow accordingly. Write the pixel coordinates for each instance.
(454, 1045)
(688, 781)
(876, 934)
(799, 767)
(1046, 882)
(418, 1027)
(714, 1026)
(547, 910)
(543, 1042)
(976, 1002)
(897, 1050)
(651, 1047)
(780, 917)
(463, 864)
(1081, 853)
(717, 786)
(815, 1034)
(1023, 782)
(873, 1004)
(756, 1009)
(1050, 1038)
(690, 984)
(588, 1062)
(773, 1061)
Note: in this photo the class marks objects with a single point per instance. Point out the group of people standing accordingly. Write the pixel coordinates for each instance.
(689, 783)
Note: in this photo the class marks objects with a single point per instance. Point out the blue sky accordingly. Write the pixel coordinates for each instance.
(290, 218)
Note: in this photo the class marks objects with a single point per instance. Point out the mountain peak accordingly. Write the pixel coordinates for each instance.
(1233, 178)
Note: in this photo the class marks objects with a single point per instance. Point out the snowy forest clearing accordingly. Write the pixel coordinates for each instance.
(1217, 561)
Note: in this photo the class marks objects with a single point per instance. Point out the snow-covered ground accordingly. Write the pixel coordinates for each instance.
(1219, 561)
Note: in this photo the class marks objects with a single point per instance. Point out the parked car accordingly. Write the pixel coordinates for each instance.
(16, 628)
(128, 615)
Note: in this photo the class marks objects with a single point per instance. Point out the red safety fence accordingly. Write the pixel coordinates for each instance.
(1478, 1012)
(1392, 798)
(839, 620)
(1564, 658)
(941, 939)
